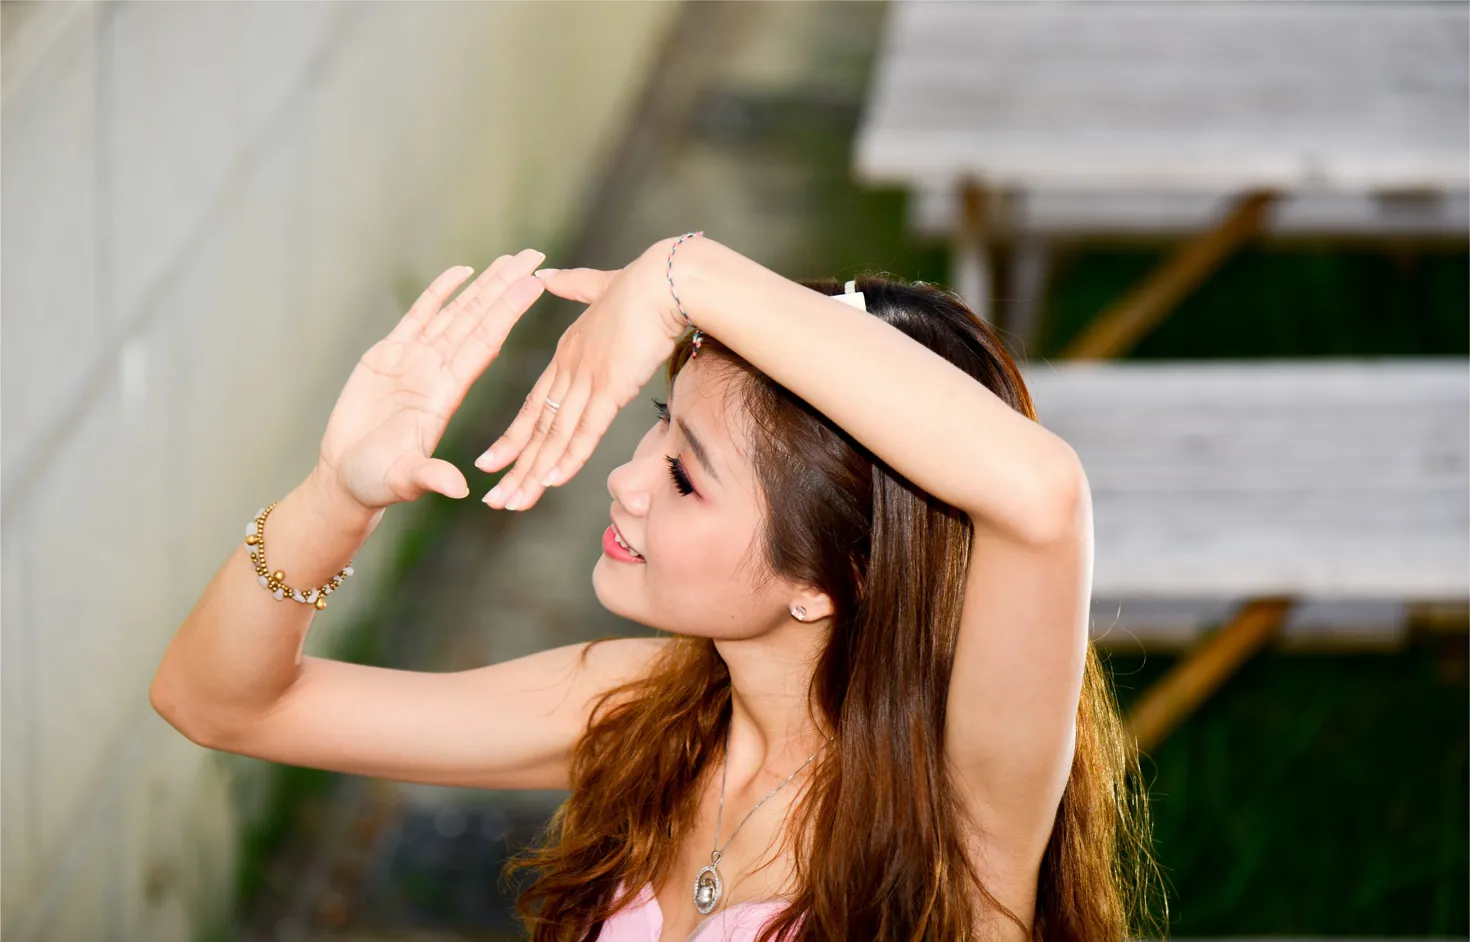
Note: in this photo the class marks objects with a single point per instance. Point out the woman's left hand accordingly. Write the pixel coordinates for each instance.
(601, 362)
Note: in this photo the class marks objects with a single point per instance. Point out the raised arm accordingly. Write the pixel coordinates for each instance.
(1023, 638)
(1022, 647)
(234, 677)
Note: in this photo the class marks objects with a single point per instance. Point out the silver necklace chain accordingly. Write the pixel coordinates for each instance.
(708, 886)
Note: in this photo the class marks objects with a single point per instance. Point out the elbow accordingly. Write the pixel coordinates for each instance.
(1061, 504)
(1069, 501)
(165, 703)
(176, 711)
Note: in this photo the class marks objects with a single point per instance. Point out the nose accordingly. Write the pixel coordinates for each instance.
(628, 484)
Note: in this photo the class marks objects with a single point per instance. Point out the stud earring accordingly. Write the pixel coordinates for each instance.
(799, 612)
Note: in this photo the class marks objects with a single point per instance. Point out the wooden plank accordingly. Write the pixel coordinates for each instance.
(1212, 97)
(1177, 694)
(1134, 626)
(1323, 478)
(1120, 327)
(934, 211)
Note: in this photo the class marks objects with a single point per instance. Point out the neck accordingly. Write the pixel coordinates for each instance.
(772, 730)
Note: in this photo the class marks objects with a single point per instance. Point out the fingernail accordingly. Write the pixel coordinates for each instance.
(546, 272)
(515, 500)
(494, 493)
(550, 478)
(488, 458)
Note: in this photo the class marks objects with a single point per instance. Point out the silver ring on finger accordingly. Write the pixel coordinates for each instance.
(553, 405)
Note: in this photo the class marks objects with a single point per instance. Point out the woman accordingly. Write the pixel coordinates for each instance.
(876, 713)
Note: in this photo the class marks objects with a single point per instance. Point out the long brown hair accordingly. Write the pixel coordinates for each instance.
(893, 560)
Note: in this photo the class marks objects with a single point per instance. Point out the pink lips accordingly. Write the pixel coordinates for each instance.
(613, 550)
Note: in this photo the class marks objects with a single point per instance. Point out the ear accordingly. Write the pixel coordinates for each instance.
(817, 605)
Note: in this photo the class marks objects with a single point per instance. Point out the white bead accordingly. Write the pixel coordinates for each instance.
(250, 528)
(279, 594)
(264, 581)
(296, 594)
(348, 570)
(311, 596)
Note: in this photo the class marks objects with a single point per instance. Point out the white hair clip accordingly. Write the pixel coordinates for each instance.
(850, 295)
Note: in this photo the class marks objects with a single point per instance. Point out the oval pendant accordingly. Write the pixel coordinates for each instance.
(707, 889)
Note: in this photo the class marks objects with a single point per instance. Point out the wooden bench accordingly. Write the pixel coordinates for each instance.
(1313, 503)
(1017, 123)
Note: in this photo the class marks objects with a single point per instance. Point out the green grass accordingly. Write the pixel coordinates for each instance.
(1279, 301)
(1315, 794)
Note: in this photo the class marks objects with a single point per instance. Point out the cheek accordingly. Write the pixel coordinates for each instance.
(697, 553)
(682, 546)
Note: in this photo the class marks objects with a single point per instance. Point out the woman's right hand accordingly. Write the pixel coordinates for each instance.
(390, 416)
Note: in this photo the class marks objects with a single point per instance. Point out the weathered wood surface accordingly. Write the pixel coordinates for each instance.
(1232, 480)
(933, 210)
(1215, 97)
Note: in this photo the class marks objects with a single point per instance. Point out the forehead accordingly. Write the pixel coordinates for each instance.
(706, 395)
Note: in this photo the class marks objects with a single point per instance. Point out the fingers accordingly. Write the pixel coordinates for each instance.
(435, 323)
(512, 489)
(472, 310)
(429, 303)
(553, 430)
(488, 335)
(461, 316)
(593, 423)
(441, 477)
(576, 284)
(509, 445)
(564, 447)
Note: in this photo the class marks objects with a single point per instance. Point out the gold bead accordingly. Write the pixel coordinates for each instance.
(252, 539)
(320, 603)
(279, 575)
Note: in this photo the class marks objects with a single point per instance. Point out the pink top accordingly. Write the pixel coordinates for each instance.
(643, 921)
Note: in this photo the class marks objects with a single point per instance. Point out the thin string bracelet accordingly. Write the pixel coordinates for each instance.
(698, 336)
(275, 582)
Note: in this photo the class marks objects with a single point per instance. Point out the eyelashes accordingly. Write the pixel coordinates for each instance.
(681, 480)
(676, 467)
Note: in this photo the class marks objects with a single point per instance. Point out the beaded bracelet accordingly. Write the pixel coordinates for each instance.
(275, 582)
(698, 337)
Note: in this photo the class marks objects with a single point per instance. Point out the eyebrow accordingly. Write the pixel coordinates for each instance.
(698, 447)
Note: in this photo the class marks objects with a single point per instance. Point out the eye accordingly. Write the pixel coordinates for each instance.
(676, 467)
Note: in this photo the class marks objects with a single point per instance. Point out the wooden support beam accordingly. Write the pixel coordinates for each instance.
(1446, 618)
(1026, 289)
(971, 253)
(1120, 327)
(1179, 693)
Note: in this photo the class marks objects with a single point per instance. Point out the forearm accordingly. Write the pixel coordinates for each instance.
(239, 649)
(927, 419)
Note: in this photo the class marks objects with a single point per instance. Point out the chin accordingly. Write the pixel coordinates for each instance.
(605, 587)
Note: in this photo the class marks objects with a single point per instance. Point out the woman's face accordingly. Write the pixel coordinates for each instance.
(687, 503)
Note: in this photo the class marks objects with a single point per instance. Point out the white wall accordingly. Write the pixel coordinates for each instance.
(209, 211)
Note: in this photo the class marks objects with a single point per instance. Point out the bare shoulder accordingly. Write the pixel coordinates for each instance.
(607, 663)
